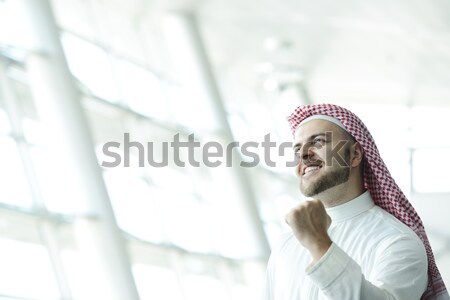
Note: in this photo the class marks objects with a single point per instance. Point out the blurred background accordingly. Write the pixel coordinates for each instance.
(75, 74)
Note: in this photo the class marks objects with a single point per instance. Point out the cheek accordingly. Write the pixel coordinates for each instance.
(297, 169)
(320, 154)
(336, 159)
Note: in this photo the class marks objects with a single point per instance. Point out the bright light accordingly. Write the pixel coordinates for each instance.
(430, 170)
(200, 287)
(141, 90)
(156, 283)
(192, 71)
(26, 271)
(13, 29)
(92, 66)
(15, 190)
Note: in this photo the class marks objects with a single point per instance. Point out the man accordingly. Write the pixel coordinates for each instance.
(359, 237)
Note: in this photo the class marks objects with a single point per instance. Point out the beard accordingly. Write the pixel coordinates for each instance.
(329, 179)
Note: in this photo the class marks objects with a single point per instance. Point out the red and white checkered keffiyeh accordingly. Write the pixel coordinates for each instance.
(377, 179)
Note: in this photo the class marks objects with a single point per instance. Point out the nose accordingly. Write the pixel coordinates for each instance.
(305, 155)
(305, 152)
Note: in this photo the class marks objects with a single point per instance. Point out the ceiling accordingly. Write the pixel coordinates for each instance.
(345, 51)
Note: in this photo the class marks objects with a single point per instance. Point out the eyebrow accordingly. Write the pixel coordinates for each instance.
(298, 145)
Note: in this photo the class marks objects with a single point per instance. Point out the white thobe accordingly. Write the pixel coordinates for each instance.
(373, 256)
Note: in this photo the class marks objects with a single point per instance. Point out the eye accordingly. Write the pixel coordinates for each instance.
(319, 142)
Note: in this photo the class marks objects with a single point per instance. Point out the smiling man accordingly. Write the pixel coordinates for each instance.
(358, 237)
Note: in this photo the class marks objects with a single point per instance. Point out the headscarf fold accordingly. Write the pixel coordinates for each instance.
(382, 187)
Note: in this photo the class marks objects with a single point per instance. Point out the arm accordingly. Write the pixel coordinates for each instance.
(400, 268)
(400, 273)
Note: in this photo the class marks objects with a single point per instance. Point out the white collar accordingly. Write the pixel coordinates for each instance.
(351, 208)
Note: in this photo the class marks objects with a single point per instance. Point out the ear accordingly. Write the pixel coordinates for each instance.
(357, 154)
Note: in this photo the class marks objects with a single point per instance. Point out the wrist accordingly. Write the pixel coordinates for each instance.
(319, 248)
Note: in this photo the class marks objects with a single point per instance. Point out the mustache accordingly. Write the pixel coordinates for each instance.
(311, 162)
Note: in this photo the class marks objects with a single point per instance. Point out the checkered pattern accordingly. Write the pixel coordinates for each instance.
(377, 179)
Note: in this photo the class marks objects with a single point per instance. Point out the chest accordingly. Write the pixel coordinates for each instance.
(291, 281)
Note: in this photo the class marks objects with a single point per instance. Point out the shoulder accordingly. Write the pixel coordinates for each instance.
(392, 234)
(385, 224)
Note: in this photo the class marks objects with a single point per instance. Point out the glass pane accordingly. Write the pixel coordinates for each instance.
(55, 181)
(174, 194)
(4, 121)
(134, 205)
(153, 282)
(15, 188)
(26, 271)
(185, 109)
(165, 178)
(23, 96)
(105, 121)
(34, 132)
(242, 131)
(430, 126)
(85, 275)
(189, 231)
(91, 65)
(242, 292)
(141, 90)
(232, 239)
(76, 16)
(200, 287)
(33, 129)
(430, 170)
(258, 118)
(13, 29)
(392, 133)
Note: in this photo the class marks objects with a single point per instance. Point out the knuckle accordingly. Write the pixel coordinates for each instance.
(296, 211)
(308, 205)
(317, 202)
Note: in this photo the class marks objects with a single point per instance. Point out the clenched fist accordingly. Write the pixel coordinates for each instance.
(309, 222)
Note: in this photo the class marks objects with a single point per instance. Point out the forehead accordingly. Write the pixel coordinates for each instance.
(313, 127)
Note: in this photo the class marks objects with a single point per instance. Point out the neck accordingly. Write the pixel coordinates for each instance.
(342, 193)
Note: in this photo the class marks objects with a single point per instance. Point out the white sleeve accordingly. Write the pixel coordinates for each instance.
(399, 273)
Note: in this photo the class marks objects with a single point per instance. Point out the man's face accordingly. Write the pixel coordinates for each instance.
(323, 151)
